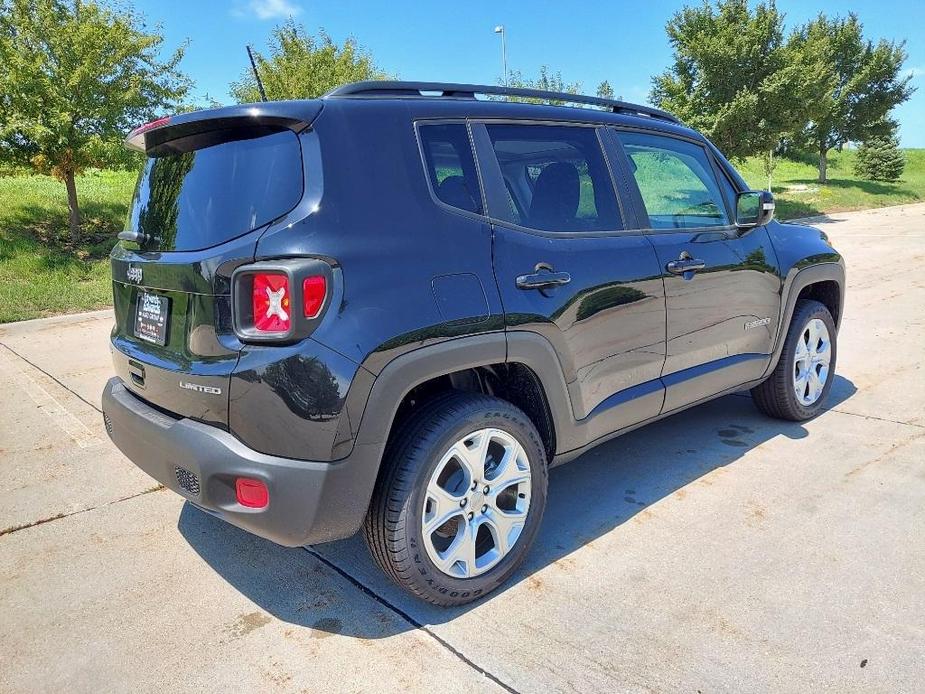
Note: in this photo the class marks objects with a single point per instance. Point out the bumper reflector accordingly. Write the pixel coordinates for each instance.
(251, 493)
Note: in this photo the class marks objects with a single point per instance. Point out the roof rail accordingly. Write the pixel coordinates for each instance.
(384, 88)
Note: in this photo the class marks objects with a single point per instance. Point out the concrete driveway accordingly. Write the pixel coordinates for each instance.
(714, 551)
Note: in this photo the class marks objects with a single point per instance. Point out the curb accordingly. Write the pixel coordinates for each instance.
(15, 326)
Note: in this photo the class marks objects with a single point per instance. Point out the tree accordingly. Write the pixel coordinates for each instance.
(862, 84)
(75, 77)
(548, 81)
(302, 66)
(880, 159)
(604, 90)
(734, 78)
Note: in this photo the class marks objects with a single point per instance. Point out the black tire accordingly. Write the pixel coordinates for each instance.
(776, 396)
(393, 529)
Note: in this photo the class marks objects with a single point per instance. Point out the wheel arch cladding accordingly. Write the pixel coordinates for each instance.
(826, 292)
(824, 282)
(538, 388)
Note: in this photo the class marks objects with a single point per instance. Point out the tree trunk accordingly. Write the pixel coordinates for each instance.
(823, 163)
(73, 209)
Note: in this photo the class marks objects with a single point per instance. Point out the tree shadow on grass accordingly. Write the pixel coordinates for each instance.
(42, 233)
(588, 499)
(869, 187)
(789, 208)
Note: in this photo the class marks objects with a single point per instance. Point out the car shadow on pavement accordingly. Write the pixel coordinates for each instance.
(587, 499)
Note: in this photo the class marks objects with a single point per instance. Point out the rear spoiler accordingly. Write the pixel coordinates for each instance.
(292, 115)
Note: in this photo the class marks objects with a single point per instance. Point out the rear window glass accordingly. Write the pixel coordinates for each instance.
(450, 165)
(200, 191)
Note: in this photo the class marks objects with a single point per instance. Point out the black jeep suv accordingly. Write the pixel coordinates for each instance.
(395, 307)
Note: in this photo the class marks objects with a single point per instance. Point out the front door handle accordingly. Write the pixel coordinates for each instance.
(543, 280)
(685, 264)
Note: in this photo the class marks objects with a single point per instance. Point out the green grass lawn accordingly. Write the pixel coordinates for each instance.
(798, 195)
(40, 273)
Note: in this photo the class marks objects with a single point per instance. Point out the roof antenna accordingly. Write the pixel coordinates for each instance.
(263, 94)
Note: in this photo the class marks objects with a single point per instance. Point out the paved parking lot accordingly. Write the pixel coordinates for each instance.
(716, 550)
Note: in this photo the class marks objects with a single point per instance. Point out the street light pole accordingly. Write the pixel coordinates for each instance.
(500, 30)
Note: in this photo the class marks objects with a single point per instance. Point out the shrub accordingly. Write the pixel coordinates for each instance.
(880, 159)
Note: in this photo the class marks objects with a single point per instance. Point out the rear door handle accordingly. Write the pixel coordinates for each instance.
(682, 265)
(543, 280)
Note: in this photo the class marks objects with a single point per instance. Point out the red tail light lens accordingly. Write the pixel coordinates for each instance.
(314, 289)
(251, 493)
(271, 302)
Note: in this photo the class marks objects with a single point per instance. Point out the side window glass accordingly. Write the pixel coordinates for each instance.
(676, 181)
(450, 165)
(555, 177)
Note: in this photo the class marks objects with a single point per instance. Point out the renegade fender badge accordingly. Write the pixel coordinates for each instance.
(757, 323)
(211, 390)
(133, 274)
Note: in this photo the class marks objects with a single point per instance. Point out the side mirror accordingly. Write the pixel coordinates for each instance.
(754, 208)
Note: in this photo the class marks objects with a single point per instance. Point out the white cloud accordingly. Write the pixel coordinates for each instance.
(267, 9)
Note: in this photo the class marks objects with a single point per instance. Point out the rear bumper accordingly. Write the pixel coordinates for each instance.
(310, 502)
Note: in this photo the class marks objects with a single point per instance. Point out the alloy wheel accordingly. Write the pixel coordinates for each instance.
(476, 503)
(811, 362)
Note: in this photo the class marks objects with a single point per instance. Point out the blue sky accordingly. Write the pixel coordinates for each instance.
(623, 42)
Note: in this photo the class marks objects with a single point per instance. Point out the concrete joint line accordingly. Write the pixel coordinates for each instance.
(411, 620)
(47, 402)
(855, 414)
(59, 516)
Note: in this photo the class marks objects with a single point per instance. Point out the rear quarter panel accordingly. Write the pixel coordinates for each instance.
(394, 245)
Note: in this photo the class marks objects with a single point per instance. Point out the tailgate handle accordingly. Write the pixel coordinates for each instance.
(137, 371)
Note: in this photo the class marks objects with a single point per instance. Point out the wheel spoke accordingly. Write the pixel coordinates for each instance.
(462, 549)
(465, 551)
(472, 456)
(823, 373)
(505, 527)
(824, 353)
(815, 385)
(513, 469)
(442, 507)
(813, 335)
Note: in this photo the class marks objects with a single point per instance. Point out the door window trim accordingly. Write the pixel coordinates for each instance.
(637, 194)
(423, 122)
(493, 180)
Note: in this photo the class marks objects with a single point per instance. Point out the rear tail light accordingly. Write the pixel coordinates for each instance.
(251, 493)
(314, 289)
(280, 300)
(272, 304)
